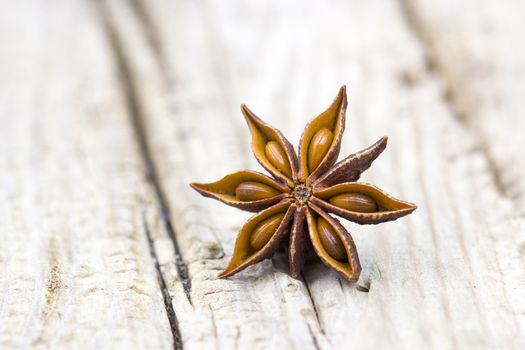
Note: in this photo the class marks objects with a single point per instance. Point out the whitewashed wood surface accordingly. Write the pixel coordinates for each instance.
(108, 109)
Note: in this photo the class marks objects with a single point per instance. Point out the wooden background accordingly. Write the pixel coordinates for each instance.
(108, 109)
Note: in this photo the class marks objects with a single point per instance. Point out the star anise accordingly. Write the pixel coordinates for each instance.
(293, 206)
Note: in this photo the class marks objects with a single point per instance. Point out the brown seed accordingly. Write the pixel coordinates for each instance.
(264, 231)
(355, 202)
(319, 146)
(330, 241)
(253, 191)
(276, 155)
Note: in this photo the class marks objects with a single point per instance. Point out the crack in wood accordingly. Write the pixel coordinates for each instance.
(214, 325)
(312, 335)
(152, 37)
(53, 283)
(364, 287)
(312, 301)
(170, 311)
(136, 117)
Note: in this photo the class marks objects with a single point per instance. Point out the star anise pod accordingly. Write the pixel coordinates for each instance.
(293, 206)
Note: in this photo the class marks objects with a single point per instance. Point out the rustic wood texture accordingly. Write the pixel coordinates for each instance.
(474, 47)
(109, 109)
(75, 265)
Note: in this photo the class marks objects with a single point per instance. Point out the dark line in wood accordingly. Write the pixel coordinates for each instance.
(53, 281)
(312, 301)
(365, 288)
(134, 111)
(341, 285)
(314, 339)
(137, 117)
(170, 311)
(152, 37)
(413, 25)
(214, 324)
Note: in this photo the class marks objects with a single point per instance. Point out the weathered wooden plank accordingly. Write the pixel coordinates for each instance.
(75, 265)
(476, 48)
(209, 322)
(449, 276)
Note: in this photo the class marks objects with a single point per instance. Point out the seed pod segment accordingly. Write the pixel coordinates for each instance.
(264, 231)
(277, 157)
(332, 120)
(319, 146)
(264, 141)
(247, 190)
(359, 202)
(244, 254)
(388, 207)
(348, 264)
(329, 239)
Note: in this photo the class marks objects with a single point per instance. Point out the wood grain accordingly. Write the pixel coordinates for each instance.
(474, 47)
(75, 264)
(448, 276)
(164, 87)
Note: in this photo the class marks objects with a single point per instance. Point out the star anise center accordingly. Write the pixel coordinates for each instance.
(301, 193)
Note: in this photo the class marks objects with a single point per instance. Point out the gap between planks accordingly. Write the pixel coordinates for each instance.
(136, 119)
